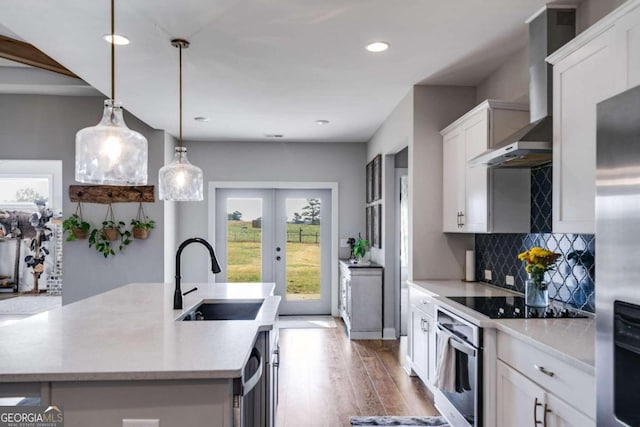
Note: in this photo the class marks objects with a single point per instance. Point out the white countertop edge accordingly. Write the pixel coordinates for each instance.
(499, 324)
(121, 376)
(266, 320)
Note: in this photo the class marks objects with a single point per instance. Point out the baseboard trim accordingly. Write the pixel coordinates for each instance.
(389, 334)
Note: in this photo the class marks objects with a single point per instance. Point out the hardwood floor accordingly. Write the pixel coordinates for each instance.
(325, 379)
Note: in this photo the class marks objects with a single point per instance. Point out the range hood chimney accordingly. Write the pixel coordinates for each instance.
(549, 29)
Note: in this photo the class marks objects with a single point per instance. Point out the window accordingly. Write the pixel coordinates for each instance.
(23, 181)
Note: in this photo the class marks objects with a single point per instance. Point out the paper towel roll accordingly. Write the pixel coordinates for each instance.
(470, 266)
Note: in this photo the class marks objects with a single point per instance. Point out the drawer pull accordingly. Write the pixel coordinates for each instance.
(535, 412)
(544, 371)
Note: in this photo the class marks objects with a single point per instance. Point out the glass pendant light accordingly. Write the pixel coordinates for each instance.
(180, 180)
(110, 152)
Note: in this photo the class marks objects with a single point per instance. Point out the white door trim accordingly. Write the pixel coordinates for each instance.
(399, 172)
(212, 186)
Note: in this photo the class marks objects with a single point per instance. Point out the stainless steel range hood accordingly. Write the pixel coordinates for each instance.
(530, 146)
(549, 29)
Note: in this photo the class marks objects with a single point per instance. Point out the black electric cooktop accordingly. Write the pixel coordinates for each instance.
(514, 308)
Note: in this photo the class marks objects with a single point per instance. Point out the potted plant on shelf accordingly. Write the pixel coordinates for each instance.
(75, 226)
(360, 250)
(142, 224)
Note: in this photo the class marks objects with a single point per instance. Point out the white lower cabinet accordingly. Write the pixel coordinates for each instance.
(421, 325)
(533, 388)
(360, 301)
(421, 353)
(521, 402)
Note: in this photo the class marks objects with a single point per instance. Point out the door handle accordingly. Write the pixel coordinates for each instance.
(535, 412)
(278, 249)
(278, 258)
(544, 419)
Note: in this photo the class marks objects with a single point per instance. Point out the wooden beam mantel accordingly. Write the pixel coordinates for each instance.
(105, 194)
(25, 53)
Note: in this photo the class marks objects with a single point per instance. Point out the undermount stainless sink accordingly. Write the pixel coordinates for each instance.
(225, 310)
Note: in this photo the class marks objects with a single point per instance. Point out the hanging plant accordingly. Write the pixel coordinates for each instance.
(75, 226)
(142, 224)
(104, 238)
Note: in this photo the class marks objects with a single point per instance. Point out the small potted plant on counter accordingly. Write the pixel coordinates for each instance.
(75, 226)
(361, 254)
(142, 224)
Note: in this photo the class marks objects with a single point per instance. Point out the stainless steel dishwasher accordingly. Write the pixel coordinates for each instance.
(250, 394)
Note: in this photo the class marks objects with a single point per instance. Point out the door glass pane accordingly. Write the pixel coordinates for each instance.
(244, 240)
(303, 249)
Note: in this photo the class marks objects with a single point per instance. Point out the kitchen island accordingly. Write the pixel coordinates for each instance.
(123, 354)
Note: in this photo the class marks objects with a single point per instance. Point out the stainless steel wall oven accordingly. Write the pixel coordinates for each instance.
(461, 400)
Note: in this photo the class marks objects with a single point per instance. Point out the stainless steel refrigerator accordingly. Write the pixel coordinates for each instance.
(618, 261)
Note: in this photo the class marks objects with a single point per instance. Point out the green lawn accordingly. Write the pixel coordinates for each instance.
(303, 259)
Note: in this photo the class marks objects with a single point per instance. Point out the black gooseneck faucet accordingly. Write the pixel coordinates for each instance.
(215, 267)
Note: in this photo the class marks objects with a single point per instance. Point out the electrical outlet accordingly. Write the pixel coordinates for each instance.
(509, 280)
(140, 423)
(487, 274)
(344, 243)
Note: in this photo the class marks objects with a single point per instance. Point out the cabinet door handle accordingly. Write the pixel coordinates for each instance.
(544, 371)
(424, 325)
(535, 412)
(544, 419)
(461, 221)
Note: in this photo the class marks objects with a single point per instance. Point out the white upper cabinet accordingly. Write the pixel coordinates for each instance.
(601, 62)
(477, 199)
(453, 179)
(627, 48)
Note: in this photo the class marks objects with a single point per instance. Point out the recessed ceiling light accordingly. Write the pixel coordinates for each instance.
(117, 39)
(378, 47)
(273, 135)
(322, 122)
(201, 119)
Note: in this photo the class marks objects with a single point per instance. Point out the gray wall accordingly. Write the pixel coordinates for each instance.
(44, 127)
(433, 254)
(402, 159)
(510, 80)
(280, 162)
(415, 124)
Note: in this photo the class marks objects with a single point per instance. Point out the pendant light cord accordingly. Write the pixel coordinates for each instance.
(113, 52)
(180, 44)
(180, 140)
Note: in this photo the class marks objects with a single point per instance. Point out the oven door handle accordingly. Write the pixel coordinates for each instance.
(456, 343)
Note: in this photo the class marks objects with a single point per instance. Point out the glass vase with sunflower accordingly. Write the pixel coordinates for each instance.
(537, 261)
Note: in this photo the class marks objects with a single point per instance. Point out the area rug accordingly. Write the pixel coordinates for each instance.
(30, 304)
(306, 322)
(399, 421)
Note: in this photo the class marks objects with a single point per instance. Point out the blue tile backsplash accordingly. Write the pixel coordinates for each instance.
(572, 282)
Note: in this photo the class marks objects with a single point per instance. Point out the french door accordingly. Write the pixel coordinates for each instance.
(281, 236)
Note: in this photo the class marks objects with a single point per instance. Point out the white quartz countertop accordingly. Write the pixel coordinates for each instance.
(130, 333)
(572, 340)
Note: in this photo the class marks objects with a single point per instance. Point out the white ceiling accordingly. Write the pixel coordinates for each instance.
(260, 67)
